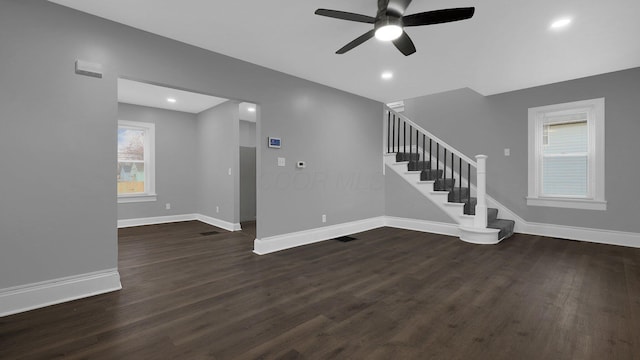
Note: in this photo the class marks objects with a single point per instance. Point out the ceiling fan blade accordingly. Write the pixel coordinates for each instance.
(404, 44)
(382, 8)
(438, 16)
(362, 38)
(383, 5)
(343, 15)
(397, 7)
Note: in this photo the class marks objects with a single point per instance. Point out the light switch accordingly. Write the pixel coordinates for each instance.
(507, 152)
(281, 161)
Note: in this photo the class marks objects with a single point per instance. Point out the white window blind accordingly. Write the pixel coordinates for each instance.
(565, 158)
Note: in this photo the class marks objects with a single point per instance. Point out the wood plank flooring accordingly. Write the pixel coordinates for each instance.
(389, 294)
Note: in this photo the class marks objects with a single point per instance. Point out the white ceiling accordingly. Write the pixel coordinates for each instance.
(506, 46)
(246, 114)
(138, 93)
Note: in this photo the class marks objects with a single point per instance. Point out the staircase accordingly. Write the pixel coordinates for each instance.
(452, 181)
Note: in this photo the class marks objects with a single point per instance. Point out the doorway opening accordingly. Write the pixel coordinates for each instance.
(184, 155)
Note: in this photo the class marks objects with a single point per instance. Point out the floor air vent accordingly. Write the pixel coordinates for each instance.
(345, 238)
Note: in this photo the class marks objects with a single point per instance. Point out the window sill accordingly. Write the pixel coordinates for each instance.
(568, 203)
(123, 199)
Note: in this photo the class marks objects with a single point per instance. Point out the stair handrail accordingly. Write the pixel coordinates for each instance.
(435, 138)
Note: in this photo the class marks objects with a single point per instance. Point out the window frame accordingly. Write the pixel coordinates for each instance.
(149, 163)
(595, 199)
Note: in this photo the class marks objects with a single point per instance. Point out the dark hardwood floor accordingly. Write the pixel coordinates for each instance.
(389, 294)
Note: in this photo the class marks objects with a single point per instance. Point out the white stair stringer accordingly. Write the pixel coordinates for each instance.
(455, 211)
(479, 236)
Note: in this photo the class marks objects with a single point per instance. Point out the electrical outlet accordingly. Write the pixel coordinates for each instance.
(217, 209)
(229, 171)
(324, 218)
(281, 161)
(507, 152)
(167, 206)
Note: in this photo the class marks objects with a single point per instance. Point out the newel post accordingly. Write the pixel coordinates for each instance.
(481, 192)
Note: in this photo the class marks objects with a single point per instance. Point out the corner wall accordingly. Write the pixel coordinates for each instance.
(218, 163)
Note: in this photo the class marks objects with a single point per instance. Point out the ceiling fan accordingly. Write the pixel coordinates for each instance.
(390, 21)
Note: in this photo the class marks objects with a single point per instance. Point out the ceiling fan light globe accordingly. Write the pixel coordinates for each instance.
(388, 32)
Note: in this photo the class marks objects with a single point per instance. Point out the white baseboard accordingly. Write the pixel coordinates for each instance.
(423, 225)
(219, 223)
(601, 236)
(124, 223)
(33, 296)
(287, 241)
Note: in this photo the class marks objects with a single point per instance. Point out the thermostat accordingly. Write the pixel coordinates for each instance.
(301, 164)
(274, 142)
(88, 69)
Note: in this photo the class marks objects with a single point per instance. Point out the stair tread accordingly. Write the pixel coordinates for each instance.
(505, 226)
(455, 204)
(495, 224)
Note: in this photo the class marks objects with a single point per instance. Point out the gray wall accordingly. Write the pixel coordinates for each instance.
(58, 212)
(218, 139)
(58, 146)
(405, 201)
(475, 124)
(341, 145)
(247, 134)
(175, 162)
(247, 183)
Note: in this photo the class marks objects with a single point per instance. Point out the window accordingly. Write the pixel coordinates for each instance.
(136, 170)
(566, 155)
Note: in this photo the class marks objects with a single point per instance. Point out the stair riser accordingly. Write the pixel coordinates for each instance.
(444, 184)
(492, 214)
(428, 175)
(407, 157)
(505, 227)
(418, 165)
(459, 196)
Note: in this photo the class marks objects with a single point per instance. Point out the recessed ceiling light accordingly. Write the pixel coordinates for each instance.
(252, 109)
(387, 75)
(560, 23)
(171, 100)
